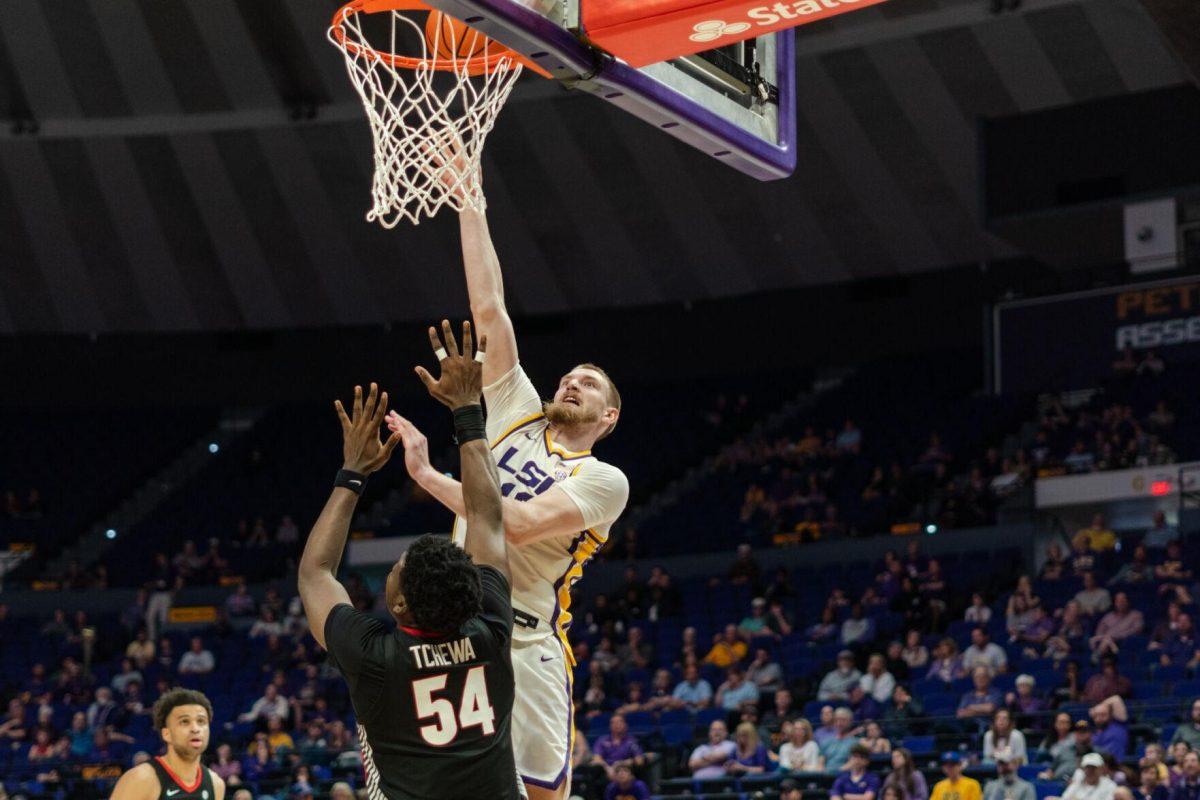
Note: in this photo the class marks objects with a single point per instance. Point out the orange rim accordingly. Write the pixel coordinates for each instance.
(497, 53)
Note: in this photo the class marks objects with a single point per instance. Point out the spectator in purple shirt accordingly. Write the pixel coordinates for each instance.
(1116, 626)
(618, 748)
(1112, 727)
(1188, 787)
(750, 755)
(1025, 700)
(984, 699)
(625, 786)
(856, 783)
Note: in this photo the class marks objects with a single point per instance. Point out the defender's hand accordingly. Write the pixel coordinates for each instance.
(461, 380)
(362, 448)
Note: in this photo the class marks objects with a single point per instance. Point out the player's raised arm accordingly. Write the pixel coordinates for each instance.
(485, 288)
(458, 388)
(363, 453)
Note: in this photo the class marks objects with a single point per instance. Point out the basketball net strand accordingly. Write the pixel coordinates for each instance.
(428, 142)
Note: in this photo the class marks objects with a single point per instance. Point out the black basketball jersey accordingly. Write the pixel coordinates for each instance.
(172, 787)
(433, 709)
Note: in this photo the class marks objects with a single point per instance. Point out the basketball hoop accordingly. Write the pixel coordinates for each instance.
(429, 113)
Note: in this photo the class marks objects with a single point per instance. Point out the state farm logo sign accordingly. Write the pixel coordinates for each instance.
(765, 16)
(713, 29)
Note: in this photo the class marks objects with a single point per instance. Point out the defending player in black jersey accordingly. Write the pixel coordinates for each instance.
(182, 718)
(433, 694)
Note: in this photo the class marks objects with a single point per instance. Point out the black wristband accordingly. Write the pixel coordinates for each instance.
(348, 479)
(468, 424)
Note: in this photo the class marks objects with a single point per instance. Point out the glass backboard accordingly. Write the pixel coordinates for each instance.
(735, 102)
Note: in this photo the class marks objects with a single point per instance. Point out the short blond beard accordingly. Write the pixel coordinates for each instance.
(564, 415)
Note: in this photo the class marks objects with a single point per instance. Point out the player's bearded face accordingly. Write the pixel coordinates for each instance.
(580, 400)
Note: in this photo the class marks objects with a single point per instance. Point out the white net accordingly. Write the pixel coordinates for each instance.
(430, 114)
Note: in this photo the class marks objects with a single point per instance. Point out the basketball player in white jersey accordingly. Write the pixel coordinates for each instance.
(559, 503)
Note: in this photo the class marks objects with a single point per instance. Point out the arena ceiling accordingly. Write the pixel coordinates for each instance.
(168, 187)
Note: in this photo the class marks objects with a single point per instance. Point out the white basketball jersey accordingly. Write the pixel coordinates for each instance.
(530, 463)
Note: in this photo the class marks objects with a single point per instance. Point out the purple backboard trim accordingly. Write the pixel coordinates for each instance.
(565, 57)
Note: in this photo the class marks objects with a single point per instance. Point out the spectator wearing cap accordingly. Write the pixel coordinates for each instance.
(955, 786)
(1003, 736)
(624, 786)
(1024, 700)
(984, 699)
(736, 690)
(837, 682)
(1116, 626)
(878, 683)
(790, 790)
(1094, 785)
(1188, 787)
(856, 783)
(1008, 785)
(1189, 732)
(1106, 683)
(1112, 726)
(983, 652)
(836, 751)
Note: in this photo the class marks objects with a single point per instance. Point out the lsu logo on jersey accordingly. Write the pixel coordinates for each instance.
(527, 480)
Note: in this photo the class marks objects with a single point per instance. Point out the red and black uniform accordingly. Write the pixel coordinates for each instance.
(433, 709)
(172, 787)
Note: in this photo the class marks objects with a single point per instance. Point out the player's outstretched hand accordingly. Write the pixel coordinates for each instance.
(461, 380)
(416, 447)
(364, 452)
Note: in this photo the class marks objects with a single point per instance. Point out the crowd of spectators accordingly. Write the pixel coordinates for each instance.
(1039, 671)
(1033, 683)
(822, 484)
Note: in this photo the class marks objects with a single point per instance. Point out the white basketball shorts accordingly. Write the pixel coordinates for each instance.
(543, 721)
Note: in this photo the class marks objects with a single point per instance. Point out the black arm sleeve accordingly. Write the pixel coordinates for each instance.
(497, 598)
(356, 644)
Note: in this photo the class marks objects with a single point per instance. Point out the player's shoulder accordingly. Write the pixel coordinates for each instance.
(594, 468)
(137, 783)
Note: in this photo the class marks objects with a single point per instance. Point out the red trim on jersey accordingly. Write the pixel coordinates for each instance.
(422, 633)
(178, 781)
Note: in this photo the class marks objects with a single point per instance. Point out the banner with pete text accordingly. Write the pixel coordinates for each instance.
(1070, 341)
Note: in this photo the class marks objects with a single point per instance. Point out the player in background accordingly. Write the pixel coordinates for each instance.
(433, 693)
(559, 503)
(182, 718)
